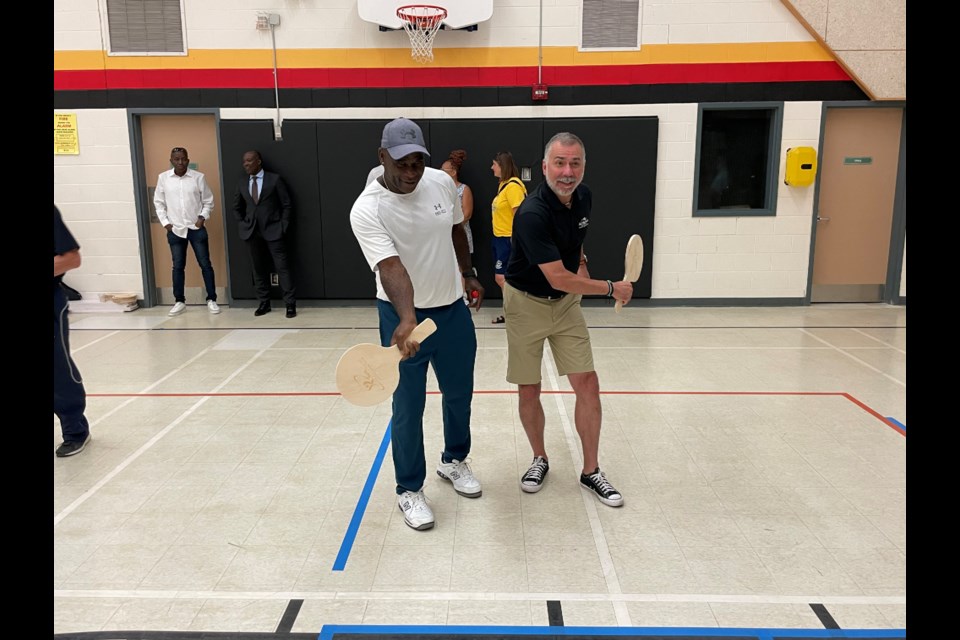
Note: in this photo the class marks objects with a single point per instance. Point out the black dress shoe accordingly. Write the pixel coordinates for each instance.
(262, 309)
(291, 311)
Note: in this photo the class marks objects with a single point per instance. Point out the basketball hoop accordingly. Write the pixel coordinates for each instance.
(421, 22)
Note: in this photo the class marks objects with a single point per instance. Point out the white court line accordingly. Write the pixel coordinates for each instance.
(855, 358)
(883, 342)
(180, 594)
(606, 560)
(86, 495)
(109, 335)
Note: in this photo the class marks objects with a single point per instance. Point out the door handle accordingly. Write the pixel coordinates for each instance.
(824, 219)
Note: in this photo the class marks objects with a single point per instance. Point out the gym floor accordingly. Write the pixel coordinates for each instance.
(228, 491)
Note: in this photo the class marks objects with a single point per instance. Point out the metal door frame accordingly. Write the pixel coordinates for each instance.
(135, 132)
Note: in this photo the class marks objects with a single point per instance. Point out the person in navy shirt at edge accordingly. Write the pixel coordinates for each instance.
(69, 396)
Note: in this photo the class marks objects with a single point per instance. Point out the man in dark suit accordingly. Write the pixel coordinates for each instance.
(262, 206)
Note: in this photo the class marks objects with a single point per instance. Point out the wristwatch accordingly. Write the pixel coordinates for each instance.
(470, 273)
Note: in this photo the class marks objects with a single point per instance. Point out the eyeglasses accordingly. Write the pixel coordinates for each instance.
(177, 150)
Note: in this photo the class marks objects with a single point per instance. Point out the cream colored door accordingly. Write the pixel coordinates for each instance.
(198, 135)
(858, 178)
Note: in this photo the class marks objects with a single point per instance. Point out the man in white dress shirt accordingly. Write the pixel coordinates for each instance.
(184, 203)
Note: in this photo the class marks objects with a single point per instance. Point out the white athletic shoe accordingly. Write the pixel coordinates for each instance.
(459, 473)
(213, 306)
(416, 512)
(177, 309)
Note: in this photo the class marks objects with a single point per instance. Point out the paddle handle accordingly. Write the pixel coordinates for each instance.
(619, 304)
(633, 263)
(423, 330)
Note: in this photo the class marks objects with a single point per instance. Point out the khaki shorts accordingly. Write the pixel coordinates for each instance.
(530, 320)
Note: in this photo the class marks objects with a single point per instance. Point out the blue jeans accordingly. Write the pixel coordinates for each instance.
(178, 249)
(452, 351)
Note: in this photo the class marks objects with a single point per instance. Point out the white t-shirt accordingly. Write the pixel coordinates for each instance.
(417, 228)
(375, 173)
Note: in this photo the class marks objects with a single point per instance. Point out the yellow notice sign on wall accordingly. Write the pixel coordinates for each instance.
(66, 140)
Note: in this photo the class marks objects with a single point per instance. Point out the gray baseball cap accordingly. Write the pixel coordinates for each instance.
(401, 137)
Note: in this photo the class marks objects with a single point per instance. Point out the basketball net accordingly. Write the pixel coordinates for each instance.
(421, 22)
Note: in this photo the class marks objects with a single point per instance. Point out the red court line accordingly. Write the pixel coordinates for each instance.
(272, 394)
(306, 394)
(892, 425)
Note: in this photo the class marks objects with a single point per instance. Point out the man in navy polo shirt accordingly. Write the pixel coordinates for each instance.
(545, 280)
(69, 396)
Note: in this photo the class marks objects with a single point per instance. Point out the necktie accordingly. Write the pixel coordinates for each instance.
(253, 191)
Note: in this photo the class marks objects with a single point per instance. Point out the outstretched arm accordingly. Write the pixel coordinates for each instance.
(563, 280)
(399, 288)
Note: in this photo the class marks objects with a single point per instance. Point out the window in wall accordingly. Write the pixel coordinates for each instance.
(738, 160)
(610, 24)
(145, 27)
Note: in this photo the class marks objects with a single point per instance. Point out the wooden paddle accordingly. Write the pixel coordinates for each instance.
(368, 374)
(632, 263)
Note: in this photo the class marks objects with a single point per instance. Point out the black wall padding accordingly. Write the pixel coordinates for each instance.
(621, 171)
(482, 139)
(347, 150)
(295, 159)
(325, 164)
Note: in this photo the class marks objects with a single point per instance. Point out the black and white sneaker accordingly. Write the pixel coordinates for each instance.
(598, 484)
(72, 448)
(532, 480)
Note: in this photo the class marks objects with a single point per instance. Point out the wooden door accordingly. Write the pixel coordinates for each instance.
(858, 179)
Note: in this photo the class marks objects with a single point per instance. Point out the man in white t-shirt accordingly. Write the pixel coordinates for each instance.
(408, 222)
(374, 173)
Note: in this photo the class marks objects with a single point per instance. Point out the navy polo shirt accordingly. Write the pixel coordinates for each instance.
(544, 230)
(63, 240)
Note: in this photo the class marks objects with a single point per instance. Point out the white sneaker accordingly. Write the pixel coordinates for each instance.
(416, 512)
(213, 306)
(177, 309)
(459, 473)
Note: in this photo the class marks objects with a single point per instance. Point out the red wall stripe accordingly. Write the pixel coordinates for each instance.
(448, 77)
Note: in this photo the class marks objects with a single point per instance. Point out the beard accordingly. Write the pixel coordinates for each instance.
(563, 187)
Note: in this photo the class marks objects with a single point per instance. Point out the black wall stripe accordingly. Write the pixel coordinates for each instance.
(457, 96)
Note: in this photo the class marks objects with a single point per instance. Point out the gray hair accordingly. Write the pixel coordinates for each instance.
(566, 139)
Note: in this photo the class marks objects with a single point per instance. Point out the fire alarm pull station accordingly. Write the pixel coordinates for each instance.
(540, 92)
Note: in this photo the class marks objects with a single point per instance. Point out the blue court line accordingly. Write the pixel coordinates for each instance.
(351, 533)
(898, 423)
(328, 631)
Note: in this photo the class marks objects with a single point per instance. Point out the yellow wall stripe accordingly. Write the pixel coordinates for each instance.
(454, 57)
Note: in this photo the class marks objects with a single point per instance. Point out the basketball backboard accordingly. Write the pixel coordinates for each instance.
(461, 14)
